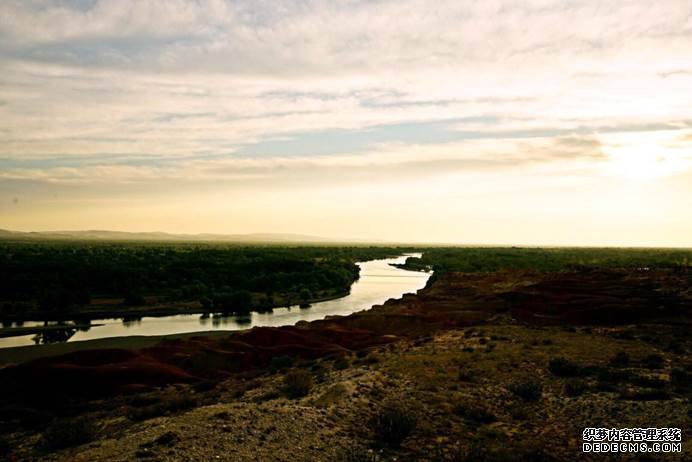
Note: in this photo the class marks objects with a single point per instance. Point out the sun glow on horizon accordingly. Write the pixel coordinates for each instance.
(647, 156)
(451, 123)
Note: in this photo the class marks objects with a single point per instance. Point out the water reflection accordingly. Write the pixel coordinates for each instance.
(215, 321)
(54, 336)
(243, 319)
(83, 326)
(378, 282)
(132, 321)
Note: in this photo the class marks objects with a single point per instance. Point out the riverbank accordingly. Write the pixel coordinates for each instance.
(15, 355)
(21, 354)
(167, 309)
(473, 367)
(378, 282)
(16, 331)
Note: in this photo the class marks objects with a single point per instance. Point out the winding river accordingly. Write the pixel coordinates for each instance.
(378, 282)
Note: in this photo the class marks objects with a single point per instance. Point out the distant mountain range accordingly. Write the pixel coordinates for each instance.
(160, 236)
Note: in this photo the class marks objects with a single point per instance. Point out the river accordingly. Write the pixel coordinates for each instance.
(378, 282)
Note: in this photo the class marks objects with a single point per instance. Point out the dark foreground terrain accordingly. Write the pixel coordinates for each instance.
(502, 365)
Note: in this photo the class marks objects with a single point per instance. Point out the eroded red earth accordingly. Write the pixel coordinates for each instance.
(587, 297)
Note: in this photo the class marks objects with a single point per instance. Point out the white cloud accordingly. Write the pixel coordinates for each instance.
(68, 70)
(154, 94)
(404, 161)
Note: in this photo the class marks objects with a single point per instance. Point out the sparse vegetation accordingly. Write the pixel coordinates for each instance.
(563, 367)
(645, 395)
(165, 405)
(465, 375)
(621, 359)
(431, 392)
(297, 383)
(575, 387)
(280, 363)
(527, 389)
(342, 362)
(393, 423)
(68, 432)
(475, 412)
(357, 454)
(653, 361)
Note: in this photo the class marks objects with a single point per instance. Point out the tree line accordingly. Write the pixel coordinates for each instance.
(64, 276)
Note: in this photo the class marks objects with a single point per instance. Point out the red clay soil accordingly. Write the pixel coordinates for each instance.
(606, 297)
(453, 301)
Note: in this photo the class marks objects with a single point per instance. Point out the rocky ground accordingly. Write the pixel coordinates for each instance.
(461, 372)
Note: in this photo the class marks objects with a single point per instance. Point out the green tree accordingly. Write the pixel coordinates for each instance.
(305, 295)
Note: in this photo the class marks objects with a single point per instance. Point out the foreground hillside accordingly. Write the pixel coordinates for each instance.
(508, 365)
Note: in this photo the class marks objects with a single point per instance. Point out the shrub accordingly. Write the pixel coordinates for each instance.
(518, 411)
(179, 403)
(167, 439)
(305, 295)
(653, 361)
(675, 347)
(368, 359)
(341, 363)
(621, 359)
(167, 405)
(575, 388)
(204, 385)
(267, 396)
(475, 413)
(563, 367)
(65, 433)
(279, 363)
(393, 424)
(297, 383)
(528, 390)
(318, 372)
(332, 395)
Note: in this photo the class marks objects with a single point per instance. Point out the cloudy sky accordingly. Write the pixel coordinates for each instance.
(515, 122)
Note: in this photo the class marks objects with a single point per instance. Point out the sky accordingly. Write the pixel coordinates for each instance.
(533, 122)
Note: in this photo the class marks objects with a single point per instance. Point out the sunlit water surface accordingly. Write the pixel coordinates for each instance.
(379, 281)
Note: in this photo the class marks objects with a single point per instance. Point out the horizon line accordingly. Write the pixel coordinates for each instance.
(309, 239)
